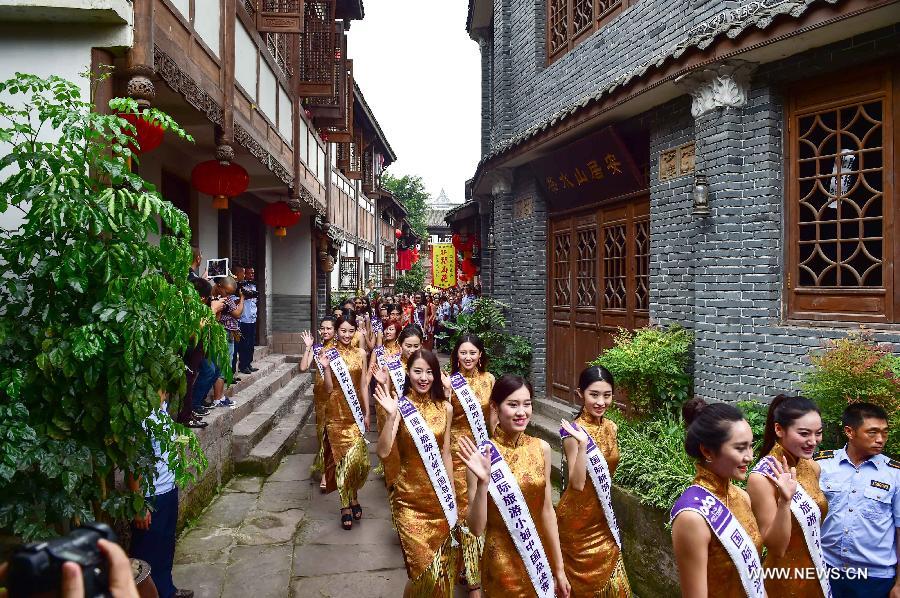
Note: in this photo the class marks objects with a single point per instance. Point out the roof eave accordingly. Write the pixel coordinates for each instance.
(390, 156)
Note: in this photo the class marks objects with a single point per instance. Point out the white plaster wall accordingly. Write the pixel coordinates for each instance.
(208, 22)
(46, 49)
(291, 261)
(268, 90)
(182, 6)
(208, 225)
(285, 115)
(245, 56)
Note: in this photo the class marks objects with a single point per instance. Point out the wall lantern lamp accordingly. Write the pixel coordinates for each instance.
(491, 245)
(701, 195)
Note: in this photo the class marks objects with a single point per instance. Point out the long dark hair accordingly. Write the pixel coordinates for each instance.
(349, 316)
(708, 425)
(594, 373)
(479, 344)
(437, 388)
(506, 385)
(410, 330)
(784, 411)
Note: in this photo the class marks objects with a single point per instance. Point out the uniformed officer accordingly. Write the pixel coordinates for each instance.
(862, 528)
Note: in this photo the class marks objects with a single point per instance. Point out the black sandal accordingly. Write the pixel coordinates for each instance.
(357, 511)
(346, 521)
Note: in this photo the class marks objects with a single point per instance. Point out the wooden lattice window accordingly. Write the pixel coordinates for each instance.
(349, 273)
(642, 265)
(375, 273)
(841, 244)
(388, 275)
(562, 289)
(614, 264)
(569, 22)
(586, 268)
(317, 48)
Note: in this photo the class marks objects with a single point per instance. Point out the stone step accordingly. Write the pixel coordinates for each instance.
(251, 397)
(547, 429)
(266, 456)
(249, 430)
(554, 408)
(260, 352)
(265, 365)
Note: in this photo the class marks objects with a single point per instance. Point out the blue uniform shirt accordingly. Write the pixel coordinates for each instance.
(863, 512)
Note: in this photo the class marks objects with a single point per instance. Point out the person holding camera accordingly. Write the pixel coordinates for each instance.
(247, 321)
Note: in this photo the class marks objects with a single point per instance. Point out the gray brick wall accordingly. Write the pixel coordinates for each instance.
(291, 313)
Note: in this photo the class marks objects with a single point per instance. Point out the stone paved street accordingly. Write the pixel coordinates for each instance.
(278, 536)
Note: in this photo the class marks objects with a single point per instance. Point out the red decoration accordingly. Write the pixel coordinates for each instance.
(308, 114)
(323, 135)
(220, 180)
(415, 254)
(280, 216)
(398, 233)
(404, 259)
(149, 133)
(463, 243)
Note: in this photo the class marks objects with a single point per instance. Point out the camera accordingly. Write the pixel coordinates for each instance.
(249, 290)
(37, 567)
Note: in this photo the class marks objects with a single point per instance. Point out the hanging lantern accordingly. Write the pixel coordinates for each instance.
(280, 216)
(398, 233)
(148, 133)
(221, 180)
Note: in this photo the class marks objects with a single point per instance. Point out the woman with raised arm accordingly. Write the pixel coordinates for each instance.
(717, 542)
(588, 532)
(311, 353)
(347, 413)
(422, 500)
(791, 525)
(472, 385)
(515, 469)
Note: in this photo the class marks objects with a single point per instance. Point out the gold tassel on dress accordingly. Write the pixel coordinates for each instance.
(472, 547)
(352, 471)
(617, 586)
(438, 579)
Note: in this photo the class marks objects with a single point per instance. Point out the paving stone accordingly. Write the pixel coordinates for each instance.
(204, 545)
(368, 584)
(281, 496)
(228, 510)
(207, 581)
(263, 527)
(259, 571)
(307, 442)
(245, 484)
(293, 468)
(323, 559)
(366, 531)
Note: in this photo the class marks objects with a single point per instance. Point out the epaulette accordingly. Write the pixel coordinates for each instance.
(823, 455)
(894, 463)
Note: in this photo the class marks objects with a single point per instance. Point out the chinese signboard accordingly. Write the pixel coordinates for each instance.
(594, 168)
(443, 265)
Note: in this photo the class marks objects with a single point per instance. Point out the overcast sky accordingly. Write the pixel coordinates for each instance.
(421, 75)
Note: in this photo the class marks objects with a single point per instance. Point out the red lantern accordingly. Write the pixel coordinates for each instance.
(279, 215)
(323, 135)
(220, 180)
(148, 135)
(308, 114)
(398, 233)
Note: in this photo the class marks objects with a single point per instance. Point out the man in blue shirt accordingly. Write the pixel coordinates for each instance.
(862, 528)
(247, 321)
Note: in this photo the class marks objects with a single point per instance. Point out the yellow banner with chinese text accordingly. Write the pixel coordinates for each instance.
(443, 265)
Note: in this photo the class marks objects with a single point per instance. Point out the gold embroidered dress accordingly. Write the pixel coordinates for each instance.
(503, 574)
(320, 401)
(591, 557)
(389, 464)
(346, 453)
(722, 577)
(425, 535)
(797, 554)
(481, 383)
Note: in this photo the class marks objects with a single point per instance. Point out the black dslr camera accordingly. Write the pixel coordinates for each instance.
(249, 290)
(37, 567)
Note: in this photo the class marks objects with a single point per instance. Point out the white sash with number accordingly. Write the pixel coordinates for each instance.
(809, 518)
(599, 472)
(418, 322)
(339, 367)
(377, 326)
(471, 405)
(398, 374)
(429, 448)
(507, 496)
(729, 531)
(317, 351)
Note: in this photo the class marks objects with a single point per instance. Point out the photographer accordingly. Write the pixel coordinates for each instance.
(247, 322)
(121, 578)
(201, 373)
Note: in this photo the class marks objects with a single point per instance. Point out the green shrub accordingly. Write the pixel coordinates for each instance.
(850, 370)
(650, 364)
(411, 281)
(507, 353)
(653, 463)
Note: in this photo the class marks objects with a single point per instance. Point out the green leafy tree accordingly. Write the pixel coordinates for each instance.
(411, 281)
(94, 317)
(410, 190)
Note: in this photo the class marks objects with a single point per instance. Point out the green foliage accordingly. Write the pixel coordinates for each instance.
(411, 281)
(651, 365)
(850, 370)
(755, 413)
(94, 318)
(653, 463)
(507, 353)
(410, 190)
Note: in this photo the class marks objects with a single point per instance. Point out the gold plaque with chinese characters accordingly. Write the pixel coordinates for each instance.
(676, 162)
(668, 167)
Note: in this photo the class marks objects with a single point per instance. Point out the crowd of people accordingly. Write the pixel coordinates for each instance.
(470, 490)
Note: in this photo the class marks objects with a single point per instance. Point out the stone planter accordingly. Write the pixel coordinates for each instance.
(647, 546)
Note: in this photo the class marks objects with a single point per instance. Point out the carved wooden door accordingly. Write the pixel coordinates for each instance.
(598, 282)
